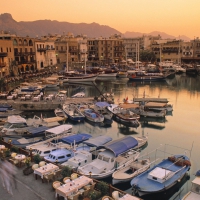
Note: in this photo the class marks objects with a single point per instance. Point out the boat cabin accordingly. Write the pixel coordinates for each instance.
(160, 174)
(14, 122)
(80, 158)
(196, 185)
(59, 155)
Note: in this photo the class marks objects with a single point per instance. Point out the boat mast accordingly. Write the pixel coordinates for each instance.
(85, 61)
(179, 48)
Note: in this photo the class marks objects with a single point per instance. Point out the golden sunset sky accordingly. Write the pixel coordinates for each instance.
(175, 17)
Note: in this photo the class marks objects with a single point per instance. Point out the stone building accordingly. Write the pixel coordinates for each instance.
(24, 54)
(45, 54)
(104, 51)
(6, 55)
(71, 52)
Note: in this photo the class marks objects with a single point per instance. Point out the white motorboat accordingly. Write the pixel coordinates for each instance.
(83, 156)
(113, 156)
(123, 114)
(13, 123)
(73, 112)
(60, 113)
(52, 142)
(127, 173)
(79, 95)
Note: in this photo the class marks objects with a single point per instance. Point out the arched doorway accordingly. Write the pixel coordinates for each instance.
(41, 65)
(27, 68)
(32, 67)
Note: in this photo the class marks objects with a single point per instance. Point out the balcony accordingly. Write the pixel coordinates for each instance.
(3, 64)
(73, 50)
(49, 49)
(62, 51)
(171, 51)
(41, 50)
(32, 53)
(3, 54)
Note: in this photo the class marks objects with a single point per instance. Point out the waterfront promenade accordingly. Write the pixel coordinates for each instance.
(28, 188)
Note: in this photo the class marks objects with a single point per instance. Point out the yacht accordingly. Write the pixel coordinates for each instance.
(113, 156)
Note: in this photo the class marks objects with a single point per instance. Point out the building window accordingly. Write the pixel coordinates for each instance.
(10, 49)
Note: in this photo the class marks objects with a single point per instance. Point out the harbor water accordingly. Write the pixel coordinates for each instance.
(180, 128)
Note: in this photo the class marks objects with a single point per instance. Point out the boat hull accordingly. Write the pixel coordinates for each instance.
(147, 78)
(80, 79)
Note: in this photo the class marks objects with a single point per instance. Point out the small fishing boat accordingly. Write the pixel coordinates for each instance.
(194, 193)
(127, 173)
(60, 113)
(162, 176)
(101, 108)
(73, 112)
(144, 76)
(93, 116)
(124, 115)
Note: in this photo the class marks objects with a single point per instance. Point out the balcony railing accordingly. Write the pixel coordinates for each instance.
(3, 64)
(62, 51)
(41, 49)
(3, 54)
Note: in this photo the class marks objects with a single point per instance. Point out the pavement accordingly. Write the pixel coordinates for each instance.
(28, 188)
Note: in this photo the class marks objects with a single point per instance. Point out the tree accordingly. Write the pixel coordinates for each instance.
(147, 56)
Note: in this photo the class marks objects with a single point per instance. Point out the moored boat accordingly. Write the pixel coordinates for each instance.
(115, 155)
(162, 176)
(144, 76)
(194, 193)
(73, 112)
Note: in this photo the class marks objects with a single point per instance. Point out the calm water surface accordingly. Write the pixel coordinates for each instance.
(180, 128)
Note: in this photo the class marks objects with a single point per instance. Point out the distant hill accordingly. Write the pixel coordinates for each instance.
(156, 33)
(44, 27)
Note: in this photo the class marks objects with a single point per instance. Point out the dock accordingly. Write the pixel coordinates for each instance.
(160, 100)
(43, 105)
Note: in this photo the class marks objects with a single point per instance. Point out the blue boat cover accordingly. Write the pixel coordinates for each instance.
(5, 106)
(36, 130)
(102, 104)
(197, 173)
(77, 138)
(98, 141)
(121, 145)
(3, 109)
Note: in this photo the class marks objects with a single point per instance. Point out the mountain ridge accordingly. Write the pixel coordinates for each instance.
(46, 26)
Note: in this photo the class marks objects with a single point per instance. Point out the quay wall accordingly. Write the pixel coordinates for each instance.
(43, 105)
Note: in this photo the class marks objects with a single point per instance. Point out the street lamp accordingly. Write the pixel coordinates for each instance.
(90, 173)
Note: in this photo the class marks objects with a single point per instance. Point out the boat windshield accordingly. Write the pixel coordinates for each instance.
(17, 125)
(195, 188)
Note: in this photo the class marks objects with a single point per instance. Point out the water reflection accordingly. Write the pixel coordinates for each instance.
(126, 130)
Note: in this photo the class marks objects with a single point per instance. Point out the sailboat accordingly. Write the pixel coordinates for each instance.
(73, 76)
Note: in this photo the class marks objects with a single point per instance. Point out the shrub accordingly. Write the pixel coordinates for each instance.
(94, 195)
(14, 149)
(66, 171)
(37, 158)
(103, 187)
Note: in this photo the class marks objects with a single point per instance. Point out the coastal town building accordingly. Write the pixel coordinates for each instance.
(6, 55)
(45, 54)
(106, 50)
